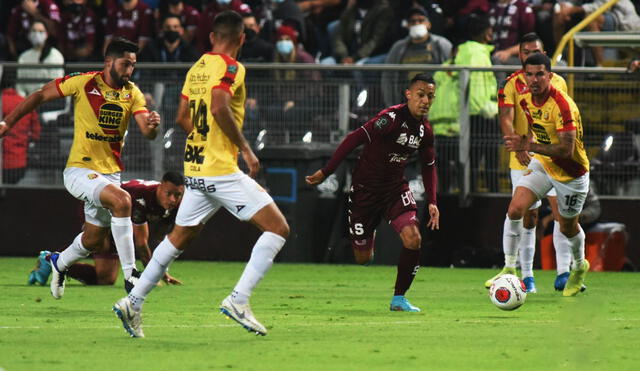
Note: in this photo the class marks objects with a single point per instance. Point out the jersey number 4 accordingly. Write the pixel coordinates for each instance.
(199, 117)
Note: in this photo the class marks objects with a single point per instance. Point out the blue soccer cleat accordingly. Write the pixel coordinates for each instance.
(42, 270)
(530, 284)
(561, 281)
(400, 304)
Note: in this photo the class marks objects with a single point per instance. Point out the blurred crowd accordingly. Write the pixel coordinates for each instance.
(307, 31)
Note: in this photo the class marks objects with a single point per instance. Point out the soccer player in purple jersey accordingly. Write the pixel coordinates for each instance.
(379, 188)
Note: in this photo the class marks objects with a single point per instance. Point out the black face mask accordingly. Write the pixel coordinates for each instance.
(76, 9)
(250, 34)
(364, 4)
(171, 36)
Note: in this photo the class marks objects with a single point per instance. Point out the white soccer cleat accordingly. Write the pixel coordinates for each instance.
(131, 319)
(57, 277)
(242, 314)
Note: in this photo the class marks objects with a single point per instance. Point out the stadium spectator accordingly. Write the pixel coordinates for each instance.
(209, 13)
(560, 163)
(457, 12)
(510, 19)
(379, 188)
(42, 52)
(620, 17)
(213, 179)
(170, 46)
(361, 34)
(132, 20)
(255, 49)
(189, 17)
(420, 47)
(154, 208)
(77, 31)
(21, 18)
(93, 168)
(543, 10)
(483, 105)
(513, 119)
(16, 143)
(322, 18)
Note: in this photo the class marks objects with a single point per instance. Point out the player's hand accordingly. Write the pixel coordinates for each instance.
(523, 157)
(4, 128)
(170, 280)
(515, 142)
(153, 119)
(315, 178)
(434, 217)
(252, 162)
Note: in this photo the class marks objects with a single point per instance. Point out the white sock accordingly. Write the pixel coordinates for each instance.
(72, 254)
(510, 238)
(576, 243)
(265, 249)
(563, 250)
(122, 231)
(162, 256)
(527, 247)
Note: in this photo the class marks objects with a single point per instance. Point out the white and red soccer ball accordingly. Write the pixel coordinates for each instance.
(508, 292)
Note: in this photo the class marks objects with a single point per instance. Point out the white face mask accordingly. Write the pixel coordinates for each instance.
(418, 31)
(37, 38)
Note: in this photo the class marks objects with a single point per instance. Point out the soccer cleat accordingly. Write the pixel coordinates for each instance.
(504, 271)
(57, 277)
(131, 319)
(400, 304)
(575, 284)
(561, 281)
(530, 284)
(242, 314)
(42, 270)
(129, 283)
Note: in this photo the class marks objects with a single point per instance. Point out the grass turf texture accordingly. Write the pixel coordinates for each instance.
(321, 317)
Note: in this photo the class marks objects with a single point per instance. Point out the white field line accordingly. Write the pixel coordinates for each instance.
(284, 325)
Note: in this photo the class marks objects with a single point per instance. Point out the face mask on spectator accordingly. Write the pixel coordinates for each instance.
(285, 47)
(250, 34)
(171, 36)
(418, 31)
(76, 8)
(37, 38)
(224, 2)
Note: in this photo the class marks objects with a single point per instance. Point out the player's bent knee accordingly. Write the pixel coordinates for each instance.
(413, 242)
(516, 211)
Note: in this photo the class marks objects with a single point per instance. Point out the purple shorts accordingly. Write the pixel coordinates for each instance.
(367, 208)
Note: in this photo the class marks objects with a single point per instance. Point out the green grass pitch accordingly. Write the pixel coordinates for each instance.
(322, 317)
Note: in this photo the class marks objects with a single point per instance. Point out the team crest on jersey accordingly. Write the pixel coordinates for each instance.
(111, 95)
(536, 114)
(381, 123)
(92, 176)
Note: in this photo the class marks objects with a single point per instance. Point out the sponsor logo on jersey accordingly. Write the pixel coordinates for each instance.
(198, 184)
(397, 157)
(402, 139)
(541, 134)
(414, 142)
(110, 116)
(103, 138)
(239, 208)
(194, 154)
(536, 114)
(404, 125)
(546, 115)
(199, 78)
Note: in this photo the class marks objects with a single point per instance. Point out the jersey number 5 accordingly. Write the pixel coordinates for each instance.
(199, 117)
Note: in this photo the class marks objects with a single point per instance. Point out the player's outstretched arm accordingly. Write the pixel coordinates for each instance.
(315, 178)
(349, 143)
(221, 111)
(148, 123)
(33, 101)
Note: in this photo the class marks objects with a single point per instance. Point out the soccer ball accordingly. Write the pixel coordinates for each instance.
(508, 292)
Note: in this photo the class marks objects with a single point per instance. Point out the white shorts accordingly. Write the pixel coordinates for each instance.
(86, 185)
(571, 195)
(204, 196)
(515, 178)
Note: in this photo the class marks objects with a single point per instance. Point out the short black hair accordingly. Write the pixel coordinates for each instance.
(173, 177)
(476, 25)
(228, 25)
(530, 37)
(171, 16)
(118, 46)
(538, 59)
(424, 77)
